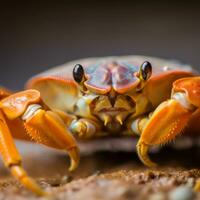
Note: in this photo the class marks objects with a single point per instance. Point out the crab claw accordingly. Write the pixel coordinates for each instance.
(48, 128)
(167, 121)
(142, 150)
(74, 156)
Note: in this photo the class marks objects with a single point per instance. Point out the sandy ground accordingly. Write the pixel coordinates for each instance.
(106, 175)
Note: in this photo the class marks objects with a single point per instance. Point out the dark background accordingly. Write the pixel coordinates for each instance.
(37, 35)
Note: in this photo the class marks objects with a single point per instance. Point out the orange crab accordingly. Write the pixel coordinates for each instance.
(97, 97)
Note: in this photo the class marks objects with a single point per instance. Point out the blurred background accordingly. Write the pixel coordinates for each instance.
(37, 35)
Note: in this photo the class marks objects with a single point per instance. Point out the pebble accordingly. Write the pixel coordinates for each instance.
(65, 179)
(157, 196)
(190, 182)
(181, 193)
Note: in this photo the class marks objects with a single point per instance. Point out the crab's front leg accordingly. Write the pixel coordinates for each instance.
(12, 158)
(170, 117)
(42, 125)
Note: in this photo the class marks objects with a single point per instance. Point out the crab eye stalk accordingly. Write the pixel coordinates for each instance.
(78, 73)
(145, 71)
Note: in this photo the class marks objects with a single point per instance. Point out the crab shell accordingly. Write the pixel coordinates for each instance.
(60, 91)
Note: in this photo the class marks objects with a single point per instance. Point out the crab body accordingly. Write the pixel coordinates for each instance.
(114, 91)
(133, 96)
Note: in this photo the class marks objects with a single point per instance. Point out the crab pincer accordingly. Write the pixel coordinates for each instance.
(171, 117)
(41, 124)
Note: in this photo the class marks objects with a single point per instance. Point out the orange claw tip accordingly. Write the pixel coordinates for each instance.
(142, 150)
(34, 187)
(74, 158)
(27, 181)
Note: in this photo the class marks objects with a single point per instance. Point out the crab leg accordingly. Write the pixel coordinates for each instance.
(170, 117)
(4, 93)
(12, 159)
(42, 125)
(46, 127)
(167, 121)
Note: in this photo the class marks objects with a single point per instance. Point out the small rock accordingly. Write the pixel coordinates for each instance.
(181, 193)
(157, 196)
(103, 182)
(190, 182)
(65, 179)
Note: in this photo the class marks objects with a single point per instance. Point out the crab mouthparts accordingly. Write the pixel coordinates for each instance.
(112, 109)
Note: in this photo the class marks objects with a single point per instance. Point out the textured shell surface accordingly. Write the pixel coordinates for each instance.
(59, 90)
(115, 71)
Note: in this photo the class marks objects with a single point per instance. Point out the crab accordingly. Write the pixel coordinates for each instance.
(130, 96)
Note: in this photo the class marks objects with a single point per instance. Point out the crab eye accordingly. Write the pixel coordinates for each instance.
(78, 73)
(145, 70)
